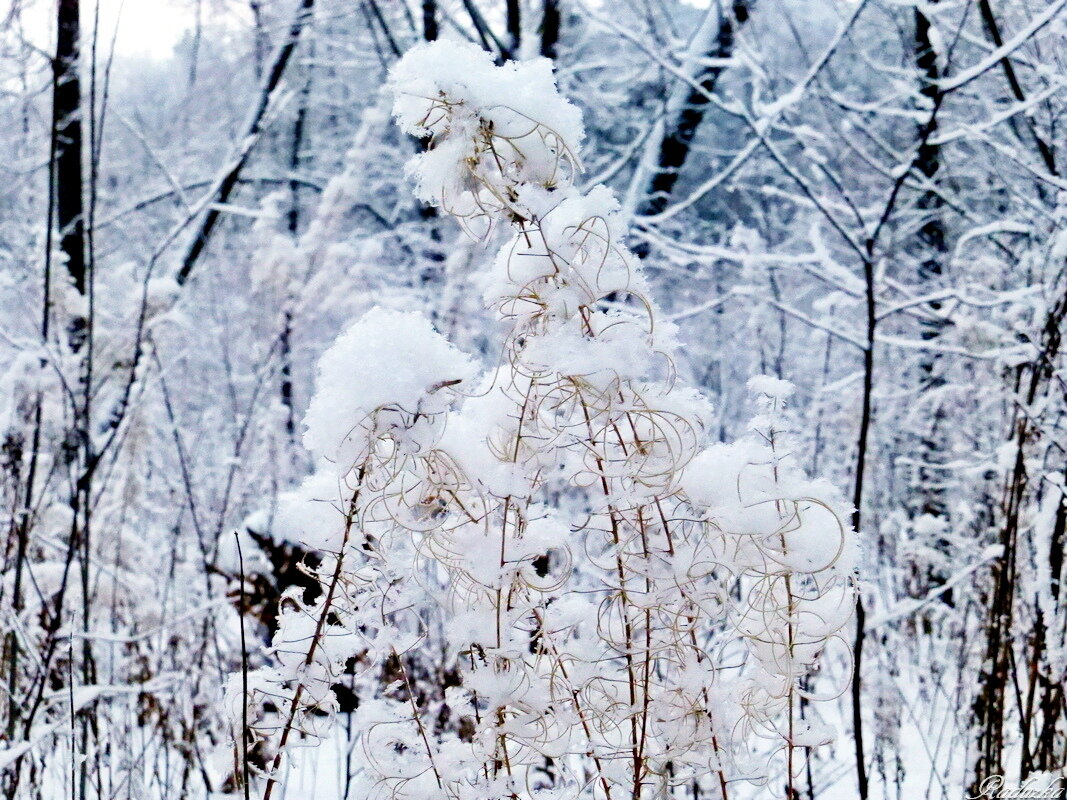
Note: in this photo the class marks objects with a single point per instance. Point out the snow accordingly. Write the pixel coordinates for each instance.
(501, 534)
(387, 360)
(480, 116)
(773, 388)
(313, 515)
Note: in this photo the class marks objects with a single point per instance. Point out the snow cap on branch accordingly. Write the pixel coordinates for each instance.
(388, 361)
(573, 509)
(491, 128)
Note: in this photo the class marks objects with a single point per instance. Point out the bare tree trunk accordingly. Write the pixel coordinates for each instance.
(430, 29)
(1046, 151)
(259, 38)
(488, 39)
(514, 25)
(932, 239)
(681, 128)
(229, 179)
(550, 27)
(857, 505)
(66, 197)
(194, 54)
(293, 219)
(866, 420)
(1049, 750)
(375, 15)
(66, 114)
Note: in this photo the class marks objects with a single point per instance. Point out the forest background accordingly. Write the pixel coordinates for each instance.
(864, 198)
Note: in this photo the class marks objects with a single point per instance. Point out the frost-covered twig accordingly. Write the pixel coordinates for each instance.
(630, 610)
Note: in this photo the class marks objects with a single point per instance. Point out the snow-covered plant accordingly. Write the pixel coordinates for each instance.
(630, 609)
(372, 428)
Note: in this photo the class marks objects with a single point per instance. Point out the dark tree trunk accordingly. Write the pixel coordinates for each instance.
(928, 162)
(933, 256)
(228, 181)
(259, 38)
(285, 340)
(1049, 748)
(429, 20)
(514, 20)
(681, 129)
(69, 194)
(488, 39)
(862, 446)
(69, 190)
(550, 27)
(1048, 155)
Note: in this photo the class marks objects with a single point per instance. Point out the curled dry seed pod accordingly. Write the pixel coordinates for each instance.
(617, 598)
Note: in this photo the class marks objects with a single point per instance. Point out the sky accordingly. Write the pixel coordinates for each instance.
(141, 28)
